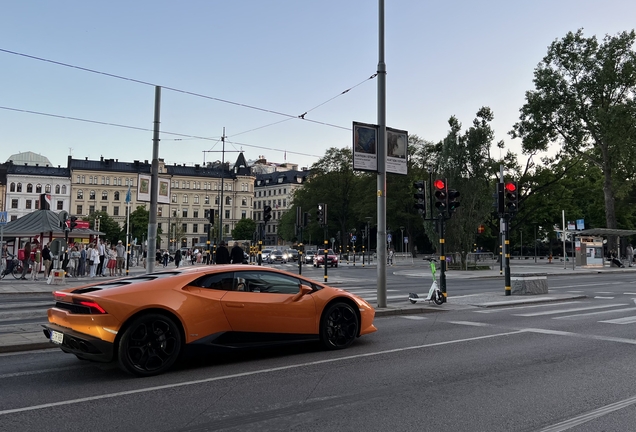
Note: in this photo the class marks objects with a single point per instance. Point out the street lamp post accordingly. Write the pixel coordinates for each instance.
(368, 218)
(402, 229)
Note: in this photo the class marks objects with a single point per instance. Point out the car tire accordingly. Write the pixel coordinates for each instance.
(338, 326)
(149, 346)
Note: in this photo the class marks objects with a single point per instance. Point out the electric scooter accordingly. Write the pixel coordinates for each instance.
(434, 294)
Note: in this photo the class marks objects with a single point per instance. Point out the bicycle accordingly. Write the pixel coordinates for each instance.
(435, 294)
(14, 266)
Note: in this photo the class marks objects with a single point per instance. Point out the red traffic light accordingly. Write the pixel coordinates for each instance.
(511, 187)
(439, 184)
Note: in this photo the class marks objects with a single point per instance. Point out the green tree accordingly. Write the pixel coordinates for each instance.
(111, 229)
(244, 229)
(584, 101)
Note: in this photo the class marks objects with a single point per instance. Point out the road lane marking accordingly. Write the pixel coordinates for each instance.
(470, 323)
(251, 373)
(624, 320)
(580, 336)
(503, 309)
(413, 317)
(604, 292)
(604, 298)
(596, 313)
(553, 312)
(590, 415)
(575, 291)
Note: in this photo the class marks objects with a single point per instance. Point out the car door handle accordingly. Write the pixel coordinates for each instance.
(235, 305)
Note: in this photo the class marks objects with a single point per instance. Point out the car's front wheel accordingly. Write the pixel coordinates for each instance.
(150, 345)
(339, 326)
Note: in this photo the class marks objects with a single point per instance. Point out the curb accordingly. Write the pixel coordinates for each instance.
(25, 347)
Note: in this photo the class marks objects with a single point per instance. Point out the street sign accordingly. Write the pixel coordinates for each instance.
(389, 238)
(406, 240)
(353, 238)
(3, 218)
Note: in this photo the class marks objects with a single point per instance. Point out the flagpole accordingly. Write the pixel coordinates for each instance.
(127, 230)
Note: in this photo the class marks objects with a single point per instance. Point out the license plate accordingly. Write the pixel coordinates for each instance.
(57, 337)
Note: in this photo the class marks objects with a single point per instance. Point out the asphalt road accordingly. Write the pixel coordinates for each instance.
(542, 367)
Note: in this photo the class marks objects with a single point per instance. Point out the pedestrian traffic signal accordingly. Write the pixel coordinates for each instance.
(512, 197)
(453, 196)
(499, 200)
(321, 214)
(306, 219)
(211, 216)
(420, 197)
(267, 213)
(441, 194)
(73, 222)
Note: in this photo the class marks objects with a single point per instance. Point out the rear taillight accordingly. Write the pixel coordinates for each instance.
(59, 295)
(94, 307)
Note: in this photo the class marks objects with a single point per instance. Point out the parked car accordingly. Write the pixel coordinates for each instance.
(277, 256)
(145, 322)
(292, 254)
(309, 256)
(332, 258)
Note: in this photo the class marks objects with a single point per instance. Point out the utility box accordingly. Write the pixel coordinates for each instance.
(589, 251)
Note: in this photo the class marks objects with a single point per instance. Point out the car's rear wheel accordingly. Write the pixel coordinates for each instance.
(150, 345)
(339, 326)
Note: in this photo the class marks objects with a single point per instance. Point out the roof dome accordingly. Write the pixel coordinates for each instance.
(29, 158)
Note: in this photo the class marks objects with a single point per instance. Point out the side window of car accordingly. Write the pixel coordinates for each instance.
(217, 281)
(266, 282)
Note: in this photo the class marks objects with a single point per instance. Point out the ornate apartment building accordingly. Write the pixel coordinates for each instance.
(276, 189)
(102, 185)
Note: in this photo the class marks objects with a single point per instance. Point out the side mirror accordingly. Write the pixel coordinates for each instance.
(304, 290)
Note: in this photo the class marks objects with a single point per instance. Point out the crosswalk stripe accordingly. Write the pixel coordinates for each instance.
(596, 313)
(625, 320)
(554, 312)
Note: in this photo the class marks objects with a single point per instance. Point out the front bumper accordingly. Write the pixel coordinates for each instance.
(80, 344)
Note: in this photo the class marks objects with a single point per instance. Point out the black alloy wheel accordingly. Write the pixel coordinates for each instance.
(150, 345)
(339, 326)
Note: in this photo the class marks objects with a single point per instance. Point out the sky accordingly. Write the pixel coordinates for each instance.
(79, 77)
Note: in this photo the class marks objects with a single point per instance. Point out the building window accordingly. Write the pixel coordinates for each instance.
(19, 187)
(14, 217)
(103, 180)
(205, 228)
(184, 228)
(107, 180)
(78, 179)
(195, 213)
(104, 195)
(185, 198)
(12, 187)
(126, 181)
(243, 214)
(216, 200)
(116, 195)
(38, 188)
(244, 202)
(60, 205)
(184, 213)
(174, 198)
(195, 228)
(159, 226)
(63, 189)
(196, 199)
(91, 195)
(47, 188)
(116, 211)
(80, 209)
(37, 204)
(206, 200)
(83, 179)
(227, 214)
(285, 203)
(29, 188)
(183, 184)
(57, 189)
(91, 209)
(80, 194)
(104, 209)
(228, 200)
(119, 181)
(159, 211)
(28, 204)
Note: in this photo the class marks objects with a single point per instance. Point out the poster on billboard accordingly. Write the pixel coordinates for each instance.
(365, 150)
(143, 189)
(396, 151)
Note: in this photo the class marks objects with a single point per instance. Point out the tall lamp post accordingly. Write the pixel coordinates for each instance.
(368, 218)
(402, 229)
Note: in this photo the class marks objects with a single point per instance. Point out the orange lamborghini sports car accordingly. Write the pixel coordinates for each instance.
(145, 322)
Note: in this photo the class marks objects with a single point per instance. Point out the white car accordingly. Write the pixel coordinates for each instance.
(265, 254)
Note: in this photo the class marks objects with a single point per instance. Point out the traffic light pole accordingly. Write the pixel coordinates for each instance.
(442, 257)
(507, 256)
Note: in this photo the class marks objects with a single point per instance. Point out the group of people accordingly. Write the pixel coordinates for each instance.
(222, 256)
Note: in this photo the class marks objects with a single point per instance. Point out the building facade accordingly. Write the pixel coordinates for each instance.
(275, 189)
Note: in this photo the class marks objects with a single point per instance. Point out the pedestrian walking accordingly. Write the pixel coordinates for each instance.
(177, 258)
(236, 255)
(222, 254)
(630, 254)
(26, 260)
(37, 255)
(46, 260)
(121, 257)
(166, 258)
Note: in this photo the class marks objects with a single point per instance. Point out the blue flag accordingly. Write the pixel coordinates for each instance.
(128, 198)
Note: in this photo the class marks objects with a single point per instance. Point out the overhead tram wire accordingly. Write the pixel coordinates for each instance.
(290, 116)
(146, 129)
